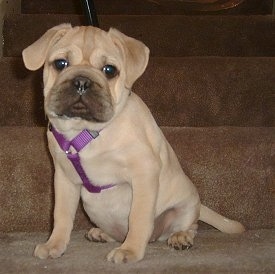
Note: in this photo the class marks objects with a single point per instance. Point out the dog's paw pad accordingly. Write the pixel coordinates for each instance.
(97, 235)
(182, 240)
(119, 256)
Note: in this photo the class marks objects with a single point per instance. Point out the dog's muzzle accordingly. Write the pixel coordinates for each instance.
(80, 96)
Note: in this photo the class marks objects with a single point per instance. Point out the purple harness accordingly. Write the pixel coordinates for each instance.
(78, 143)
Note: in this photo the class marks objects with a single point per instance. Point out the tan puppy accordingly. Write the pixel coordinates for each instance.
(88, 75)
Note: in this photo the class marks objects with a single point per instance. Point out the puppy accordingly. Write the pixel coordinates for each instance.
(108, 150)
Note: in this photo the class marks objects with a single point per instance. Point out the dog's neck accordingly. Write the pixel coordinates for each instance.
(73, 126)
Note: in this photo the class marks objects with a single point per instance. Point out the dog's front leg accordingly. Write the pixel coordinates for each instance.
(141, 221)
(67, 197)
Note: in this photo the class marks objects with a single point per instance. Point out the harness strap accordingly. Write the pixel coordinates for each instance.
(78, 143)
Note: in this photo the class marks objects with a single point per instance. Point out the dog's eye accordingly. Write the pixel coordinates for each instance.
(110, 71)
(60, 64)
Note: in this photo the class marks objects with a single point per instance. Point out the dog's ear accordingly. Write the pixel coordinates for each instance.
(135, 55)
(34, 56)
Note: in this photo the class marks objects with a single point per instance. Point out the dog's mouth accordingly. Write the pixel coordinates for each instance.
(66, 101)
(78, 109)
(81, 110)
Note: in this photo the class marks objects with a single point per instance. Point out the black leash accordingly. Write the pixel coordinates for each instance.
(90, 12)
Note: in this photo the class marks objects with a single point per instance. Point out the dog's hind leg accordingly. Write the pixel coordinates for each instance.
(97, 235)
(183, 229)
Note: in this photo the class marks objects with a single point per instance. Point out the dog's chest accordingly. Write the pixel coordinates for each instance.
(110, 209)
(100, 167)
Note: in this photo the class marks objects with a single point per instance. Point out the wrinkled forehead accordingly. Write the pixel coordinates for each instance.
(86, 45)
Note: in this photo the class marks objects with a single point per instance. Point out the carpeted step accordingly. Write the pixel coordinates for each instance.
(231, 167)
(213, 252)
(148, 7)
(171, 36)
(201, 91)
(21, 94)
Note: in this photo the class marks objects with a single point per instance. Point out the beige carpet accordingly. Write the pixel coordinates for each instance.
(213, 252)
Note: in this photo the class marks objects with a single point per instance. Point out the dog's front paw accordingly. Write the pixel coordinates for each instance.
(52, 250)
(119, 255)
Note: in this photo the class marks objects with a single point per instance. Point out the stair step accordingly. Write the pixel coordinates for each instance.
(213, 252)
(168, 36)
(201, 91)
(21, 93)
(229, 166)
(144, 7)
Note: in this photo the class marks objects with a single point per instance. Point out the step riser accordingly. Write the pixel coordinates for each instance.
(143, 7)
(179, 92)
(171, 36)
(230, 168)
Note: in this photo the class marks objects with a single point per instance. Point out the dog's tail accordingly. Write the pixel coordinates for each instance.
(211, 217)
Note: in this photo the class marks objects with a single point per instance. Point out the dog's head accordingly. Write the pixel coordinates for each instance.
(88, 73)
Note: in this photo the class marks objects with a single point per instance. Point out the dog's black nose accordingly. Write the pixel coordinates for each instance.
(81, 84)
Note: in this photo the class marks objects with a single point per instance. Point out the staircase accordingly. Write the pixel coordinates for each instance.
(210, 84)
